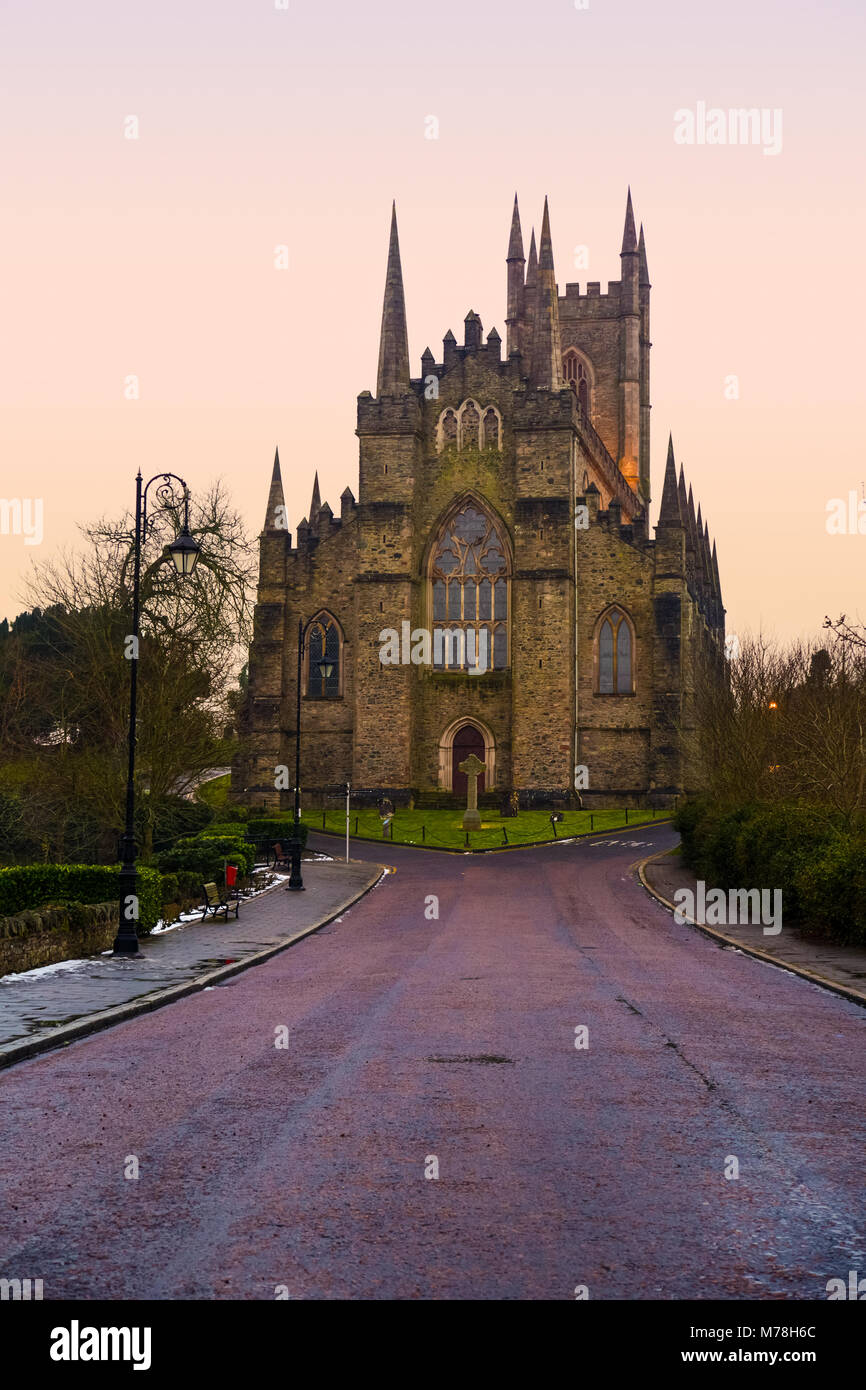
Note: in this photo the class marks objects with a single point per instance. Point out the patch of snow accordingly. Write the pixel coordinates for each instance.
(40, 971)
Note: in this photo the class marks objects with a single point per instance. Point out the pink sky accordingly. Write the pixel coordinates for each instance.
(261, 127)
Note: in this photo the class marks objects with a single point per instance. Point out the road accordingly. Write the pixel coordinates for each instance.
(413, 1038)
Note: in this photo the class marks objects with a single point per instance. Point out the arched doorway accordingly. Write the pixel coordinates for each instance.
(448, 747)
(468, 739)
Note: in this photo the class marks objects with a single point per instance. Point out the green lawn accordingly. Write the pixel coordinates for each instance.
(444, 829)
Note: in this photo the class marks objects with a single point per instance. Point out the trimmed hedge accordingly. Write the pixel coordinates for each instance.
(261, 828)
(819, 865)
(33, 885)
(203, 856)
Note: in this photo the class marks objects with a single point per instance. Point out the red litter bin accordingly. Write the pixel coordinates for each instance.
(231, 875)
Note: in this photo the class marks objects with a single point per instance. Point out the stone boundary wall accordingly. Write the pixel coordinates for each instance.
(56, 932)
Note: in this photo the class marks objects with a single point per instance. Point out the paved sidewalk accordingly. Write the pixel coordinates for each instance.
(44, 1007)
(838, 967)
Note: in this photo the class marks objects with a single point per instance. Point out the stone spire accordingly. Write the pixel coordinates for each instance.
(683, 496)
(515, 262)
(697, 525)
(515, 240)
(629, 239)
(393, 376)
(644, 279)
(687, 516)
(693, 522)
(629, 450)
(546, 369)
(707, 556)
(669, 512)
(275, 520)
(315, 505)
(703, 553)
(532, 263)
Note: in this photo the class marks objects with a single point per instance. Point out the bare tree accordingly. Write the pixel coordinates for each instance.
(193, 631)
(789, 725)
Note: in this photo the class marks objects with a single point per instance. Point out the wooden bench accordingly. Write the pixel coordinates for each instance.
(219, 900)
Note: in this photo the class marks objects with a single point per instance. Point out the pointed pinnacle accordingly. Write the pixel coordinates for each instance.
(315, 505)
(532, 263)
(669, 511)
(545, 249)
(274, 520)
(393, 374)
(629, 240)
(717, 583)
(641, 248)
(515, 241)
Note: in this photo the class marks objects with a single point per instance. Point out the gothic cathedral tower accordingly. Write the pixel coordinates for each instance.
(495, 588)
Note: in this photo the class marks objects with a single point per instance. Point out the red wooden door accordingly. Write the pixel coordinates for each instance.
(467, 740)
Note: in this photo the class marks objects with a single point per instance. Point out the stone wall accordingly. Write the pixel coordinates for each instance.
(56, 933)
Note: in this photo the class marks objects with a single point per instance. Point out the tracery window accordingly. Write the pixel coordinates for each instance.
(615, 654)
(576, 375)
(449, 427)
(470, 425)
(491, 428)
(323, 658)
(469, 592)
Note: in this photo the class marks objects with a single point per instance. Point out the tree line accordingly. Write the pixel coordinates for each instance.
(64, 684)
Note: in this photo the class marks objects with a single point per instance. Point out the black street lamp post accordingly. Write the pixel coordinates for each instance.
(184, 551)
(296, 882)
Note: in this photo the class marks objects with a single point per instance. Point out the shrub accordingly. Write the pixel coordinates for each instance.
(189, 884)
(271, 828)
(32, 885)
(776, 843)
(831, 890)
(805, 851)
(204, 856)
(170, 889)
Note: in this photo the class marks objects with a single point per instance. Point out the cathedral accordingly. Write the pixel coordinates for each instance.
(495, 587)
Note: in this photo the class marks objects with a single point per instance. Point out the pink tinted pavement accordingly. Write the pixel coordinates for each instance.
(410, 1038)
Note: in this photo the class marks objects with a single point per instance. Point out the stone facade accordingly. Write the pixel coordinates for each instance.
(547, 451)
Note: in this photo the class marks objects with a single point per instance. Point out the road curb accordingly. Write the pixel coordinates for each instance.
(855, 996)
(20, 1049)
(495, 849)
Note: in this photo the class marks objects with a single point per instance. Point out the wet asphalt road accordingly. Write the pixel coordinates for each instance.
(412, 1039)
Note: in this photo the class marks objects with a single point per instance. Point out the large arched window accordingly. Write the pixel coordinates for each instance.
(576, 375)
(615, 654)
(469, 591)
(323, 658)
